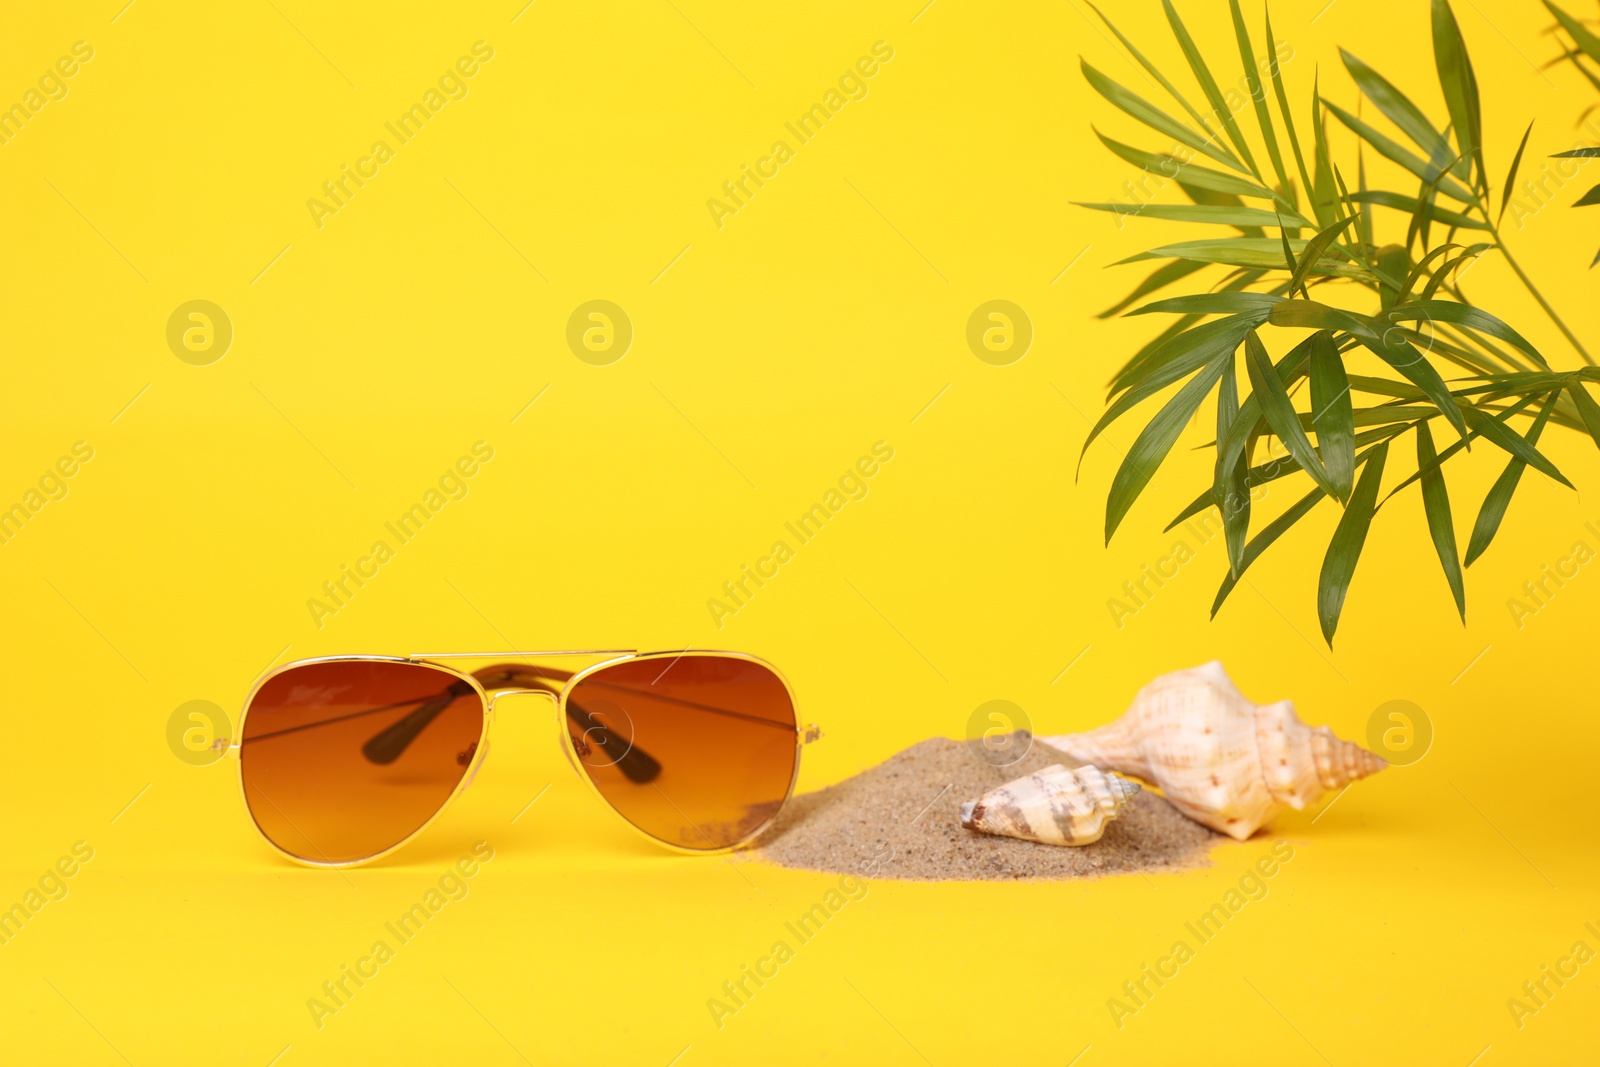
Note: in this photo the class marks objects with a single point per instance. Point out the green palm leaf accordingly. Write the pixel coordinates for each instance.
(1520, 447)
(1470, 317)
(1280, 414)
(1502, 417)
(1134, 369)
(1258, 92)
(1288, 123)
(1588, 410)
(1323, 191)
(1410, 205)
(1436, 505)
(1442, 275)
(1381, 341)
(1278, 469)
(1213, 304)
(1258, 252)
(1178, 358)
(1230, 483)
(1311, 256)
(1162, 277)
(1249, 422)
(1137, 106)
(1511, 178)
(1332, 414)
(1188, 173)
(1499, 497)
(1460, 85)
(1215, 214)
(1156, 440)
(1154, 72)
(1399, 109)
(1392, 150)
(1208, 85)
(1263, 541)
(1349, 538)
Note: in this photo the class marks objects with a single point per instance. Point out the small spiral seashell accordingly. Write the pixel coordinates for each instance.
(1055, 806)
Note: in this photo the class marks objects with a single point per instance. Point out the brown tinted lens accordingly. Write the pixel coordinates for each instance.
(697, 752)
(343, 760)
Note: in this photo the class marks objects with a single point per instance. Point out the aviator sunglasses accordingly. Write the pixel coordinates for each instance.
(343, 759)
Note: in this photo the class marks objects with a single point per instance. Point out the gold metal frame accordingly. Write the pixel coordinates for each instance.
(804, 735)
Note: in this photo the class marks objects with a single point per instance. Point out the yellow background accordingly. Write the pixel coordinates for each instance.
(823, 317)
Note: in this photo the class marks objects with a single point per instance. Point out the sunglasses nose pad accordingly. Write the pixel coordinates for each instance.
(555, 714)
(466, 755)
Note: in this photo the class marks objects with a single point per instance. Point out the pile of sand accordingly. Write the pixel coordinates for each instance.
(901, 819)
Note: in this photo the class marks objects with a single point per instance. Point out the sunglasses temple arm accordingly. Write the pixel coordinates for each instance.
(386, 745)
(637, 764)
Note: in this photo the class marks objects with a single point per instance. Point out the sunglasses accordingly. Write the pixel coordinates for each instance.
(343, 759)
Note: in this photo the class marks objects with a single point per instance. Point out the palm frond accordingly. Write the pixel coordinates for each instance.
(1419, 320)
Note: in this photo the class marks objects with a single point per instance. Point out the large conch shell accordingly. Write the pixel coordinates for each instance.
(1218, 758)
(1055, 806)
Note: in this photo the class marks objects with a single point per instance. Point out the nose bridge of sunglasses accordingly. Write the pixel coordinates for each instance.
(504, 679)
(496, 694)
(521, 678)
